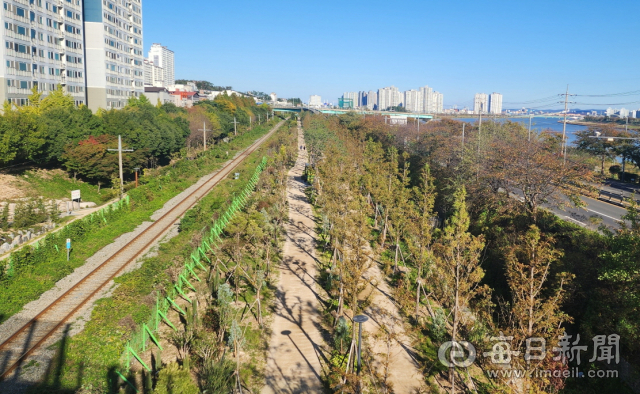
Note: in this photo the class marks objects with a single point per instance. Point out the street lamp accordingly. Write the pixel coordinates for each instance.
(360, 319)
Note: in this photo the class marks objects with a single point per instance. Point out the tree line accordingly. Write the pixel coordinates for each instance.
(53, 132)
(456, 213)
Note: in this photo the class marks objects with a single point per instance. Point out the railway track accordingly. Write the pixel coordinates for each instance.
(28, 338)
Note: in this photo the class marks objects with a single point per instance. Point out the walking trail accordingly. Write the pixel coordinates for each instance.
(404, 372)
(297, 345)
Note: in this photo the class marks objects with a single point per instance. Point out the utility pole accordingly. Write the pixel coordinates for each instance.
(530, 117)
(626, 125)
(204, 134)
(463, 124)
(235, 129)
(479, 129)
(120, 150)
(564, 124)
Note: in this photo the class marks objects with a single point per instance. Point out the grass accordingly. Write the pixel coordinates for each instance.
(92, 356)
(58, 185)
(156, 189)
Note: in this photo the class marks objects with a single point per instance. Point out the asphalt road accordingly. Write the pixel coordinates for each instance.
(595, 211)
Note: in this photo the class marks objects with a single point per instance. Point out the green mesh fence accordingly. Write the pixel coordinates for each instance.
(198, 260)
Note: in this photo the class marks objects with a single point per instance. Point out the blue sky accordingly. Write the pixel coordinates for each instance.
(524, 49)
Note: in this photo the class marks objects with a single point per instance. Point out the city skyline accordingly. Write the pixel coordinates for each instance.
(537, 53)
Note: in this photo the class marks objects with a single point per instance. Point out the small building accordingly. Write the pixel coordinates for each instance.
(155, 94)
(185, 99)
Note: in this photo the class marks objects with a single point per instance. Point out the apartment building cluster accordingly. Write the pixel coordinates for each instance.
(622, 113)
(92, 48)
(487, 103)
(422, 100)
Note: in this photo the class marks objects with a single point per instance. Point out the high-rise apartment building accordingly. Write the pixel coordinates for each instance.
(153, 75)
(362, 99)
(481, 103)
(427, 99)
(315, 101)
(163, 57)
(413, 100)
(438, 102)
(353, 96)
(113, 48)
(43, 49)
(372, 100)
(388, 97)
(495, 103)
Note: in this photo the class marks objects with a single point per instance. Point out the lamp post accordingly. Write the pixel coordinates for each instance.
(360, 319)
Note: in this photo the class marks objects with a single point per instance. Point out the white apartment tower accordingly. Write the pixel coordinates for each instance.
(495, 103)
(413, 100)
(43, 49)
(315, 101)
(438, 102)
(164, 58)
(388, 97)
(481, 103)
(153, 75)
(372, 100)
(427, 99)
(113, 47)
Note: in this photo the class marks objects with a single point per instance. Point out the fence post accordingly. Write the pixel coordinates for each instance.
(175, 306)
(139, 359)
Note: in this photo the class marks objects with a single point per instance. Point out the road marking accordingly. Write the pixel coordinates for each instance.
(577, 221)
(602, 214)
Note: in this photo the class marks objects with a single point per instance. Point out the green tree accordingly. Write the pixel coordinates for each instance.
(457, 272)
(599, 147)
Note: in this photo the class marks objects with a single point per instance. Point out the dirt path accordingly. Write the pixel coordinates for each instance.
(403, 372)
(297, 346)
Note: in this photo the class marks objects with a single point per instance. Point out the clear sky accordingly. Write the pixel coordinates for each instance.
(524, 49)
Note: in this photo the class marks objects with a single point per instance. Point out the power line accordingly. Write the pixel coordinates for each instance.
(631, 102)
(532, 101)
(630, 93)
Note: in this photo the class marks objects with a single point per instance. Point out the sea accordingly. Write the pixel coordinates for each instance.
(538, 122)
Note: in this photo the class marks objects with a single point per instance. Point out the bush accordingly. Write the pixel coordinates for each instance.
(175, 379)
(217, 376)
(29, 213)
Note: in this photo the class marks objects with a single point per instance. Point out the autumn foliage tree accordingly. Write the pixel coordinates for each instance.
(457, 272)
(91, 159)
(535, 310)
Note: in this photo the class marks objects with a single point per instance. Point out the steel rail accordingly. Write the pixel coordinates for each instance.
(209, 185)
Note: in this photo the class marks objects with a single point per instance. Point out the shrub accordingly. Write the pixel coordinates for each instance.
(175, 379)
